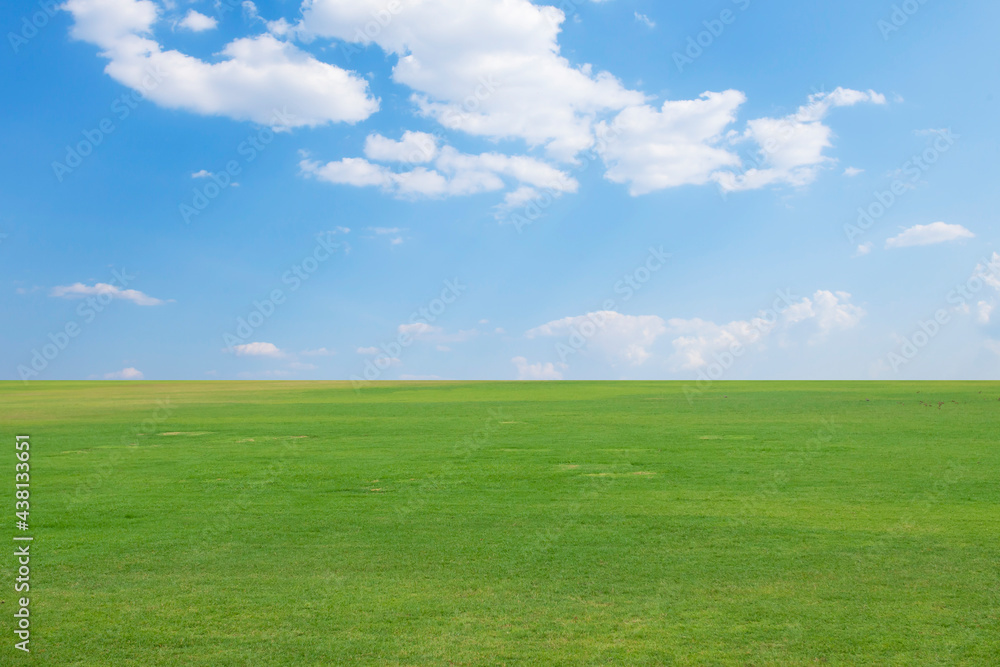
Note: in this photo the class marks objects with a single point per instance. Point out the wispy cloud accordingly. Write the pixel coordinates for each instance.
(81, 291)
(936, 232)
(642, 18)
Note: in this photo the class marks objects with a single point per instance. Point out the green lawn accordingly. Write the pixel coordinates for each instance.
(508, 523)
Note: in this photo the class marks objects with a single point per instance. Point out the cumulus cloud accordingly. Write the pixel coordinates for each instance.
(539, 371)
(936, 232)
(696, 341)
(129, 373)
(259, 78)
(258, 350)
(452, 174)
(630, 339)
(678, 144)
(492, 69)
(622, 338)
(691, 142)
(197, 22)
(81, 291)
(791, 148)
(413, 147)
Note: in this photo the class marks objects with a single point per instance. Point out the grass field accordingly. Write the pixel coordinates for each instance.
(508, 523)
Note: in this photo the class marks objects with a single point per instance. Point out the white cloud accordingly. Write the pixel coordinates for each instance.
(679, 144)
(492, 68)
(864, 249)
(368, 351)
(642, 18)
(539, 371)
(250, 10)
(197, 22)
(689, 142)
(257, 350)
(625, 338)
(355, 171)
(454, 174)
(697, 341)
(129, 373)
(630, 339)
(385, 231)
(936, 232)
(517, 199)
(202, 173)
(80, 291)
(260, 78)
(418, 329)
(413, 148)
(791, 148)
(853, 171)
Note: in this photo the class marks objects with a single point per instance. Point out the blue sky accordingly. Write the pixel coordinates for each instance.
(450, 189)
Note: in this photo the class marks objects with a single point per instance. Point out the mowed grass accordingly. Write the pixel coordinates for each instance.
(509, 523)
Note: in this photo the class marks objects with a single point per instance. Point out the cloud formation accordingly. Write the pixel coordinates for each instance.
(129, 373)
(259, 78)
(936, 232)
(81, 291)
(258, 350)
(539, 371)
